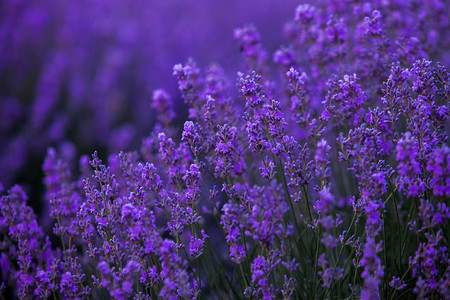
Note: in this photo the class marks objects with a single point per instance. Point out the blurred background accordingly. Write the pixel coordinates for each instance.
(78, 75)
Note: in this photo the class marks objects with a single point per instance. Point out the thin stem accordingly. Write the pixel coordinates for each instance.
(286, 189)
(305, 191)
(198, 271)
(243, 275)
(315, 264)
(398, 228)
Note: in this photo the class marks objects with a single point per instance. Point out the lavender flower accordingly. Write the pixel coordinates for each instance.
(251, 47)
(439, 166)
(373, 271)
(196, 245)
(231, 222)
(261, 269)
(322, 161)
(343, 100)
(409, 167)
(285, 57)
(300, 101)
(162, 103)
(318, 178)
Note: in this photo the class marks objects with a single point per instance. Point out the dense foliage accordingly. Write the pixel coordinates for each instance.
(321, 171)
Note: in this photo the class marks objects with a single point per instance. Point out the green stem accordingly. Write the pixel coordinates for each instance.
(243, 275)
(398, 228)
(198, 271)
(138, 286)
(286, 189)
(315, 264)
(305, 191)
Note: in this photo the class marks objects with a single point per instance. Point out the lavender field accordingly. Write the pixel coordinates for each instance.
(224, 150)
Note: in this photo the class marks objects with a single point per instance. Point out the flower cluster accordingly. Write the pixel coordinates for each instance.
(327, 179)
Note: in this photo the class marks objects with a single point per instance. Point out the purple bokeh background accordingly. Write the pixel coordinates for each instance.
(78, 75)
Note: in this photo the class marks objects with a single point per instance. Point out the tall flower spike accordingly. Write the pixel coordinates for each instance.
(304, 14)
(229, 152)
(252, 89)
(190, 85)
(343, 101)
(409, 167)
(373, 25)
(231, 221)
(300, 109)
(439, 167)
(285, 56)
(251, 48)
(373, 270)
(163, 105)
(192, 137)
(192, 180)
(322, 161)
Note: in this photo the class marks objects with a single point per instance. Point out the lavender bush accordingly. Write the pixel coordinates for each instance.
(320, 171)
